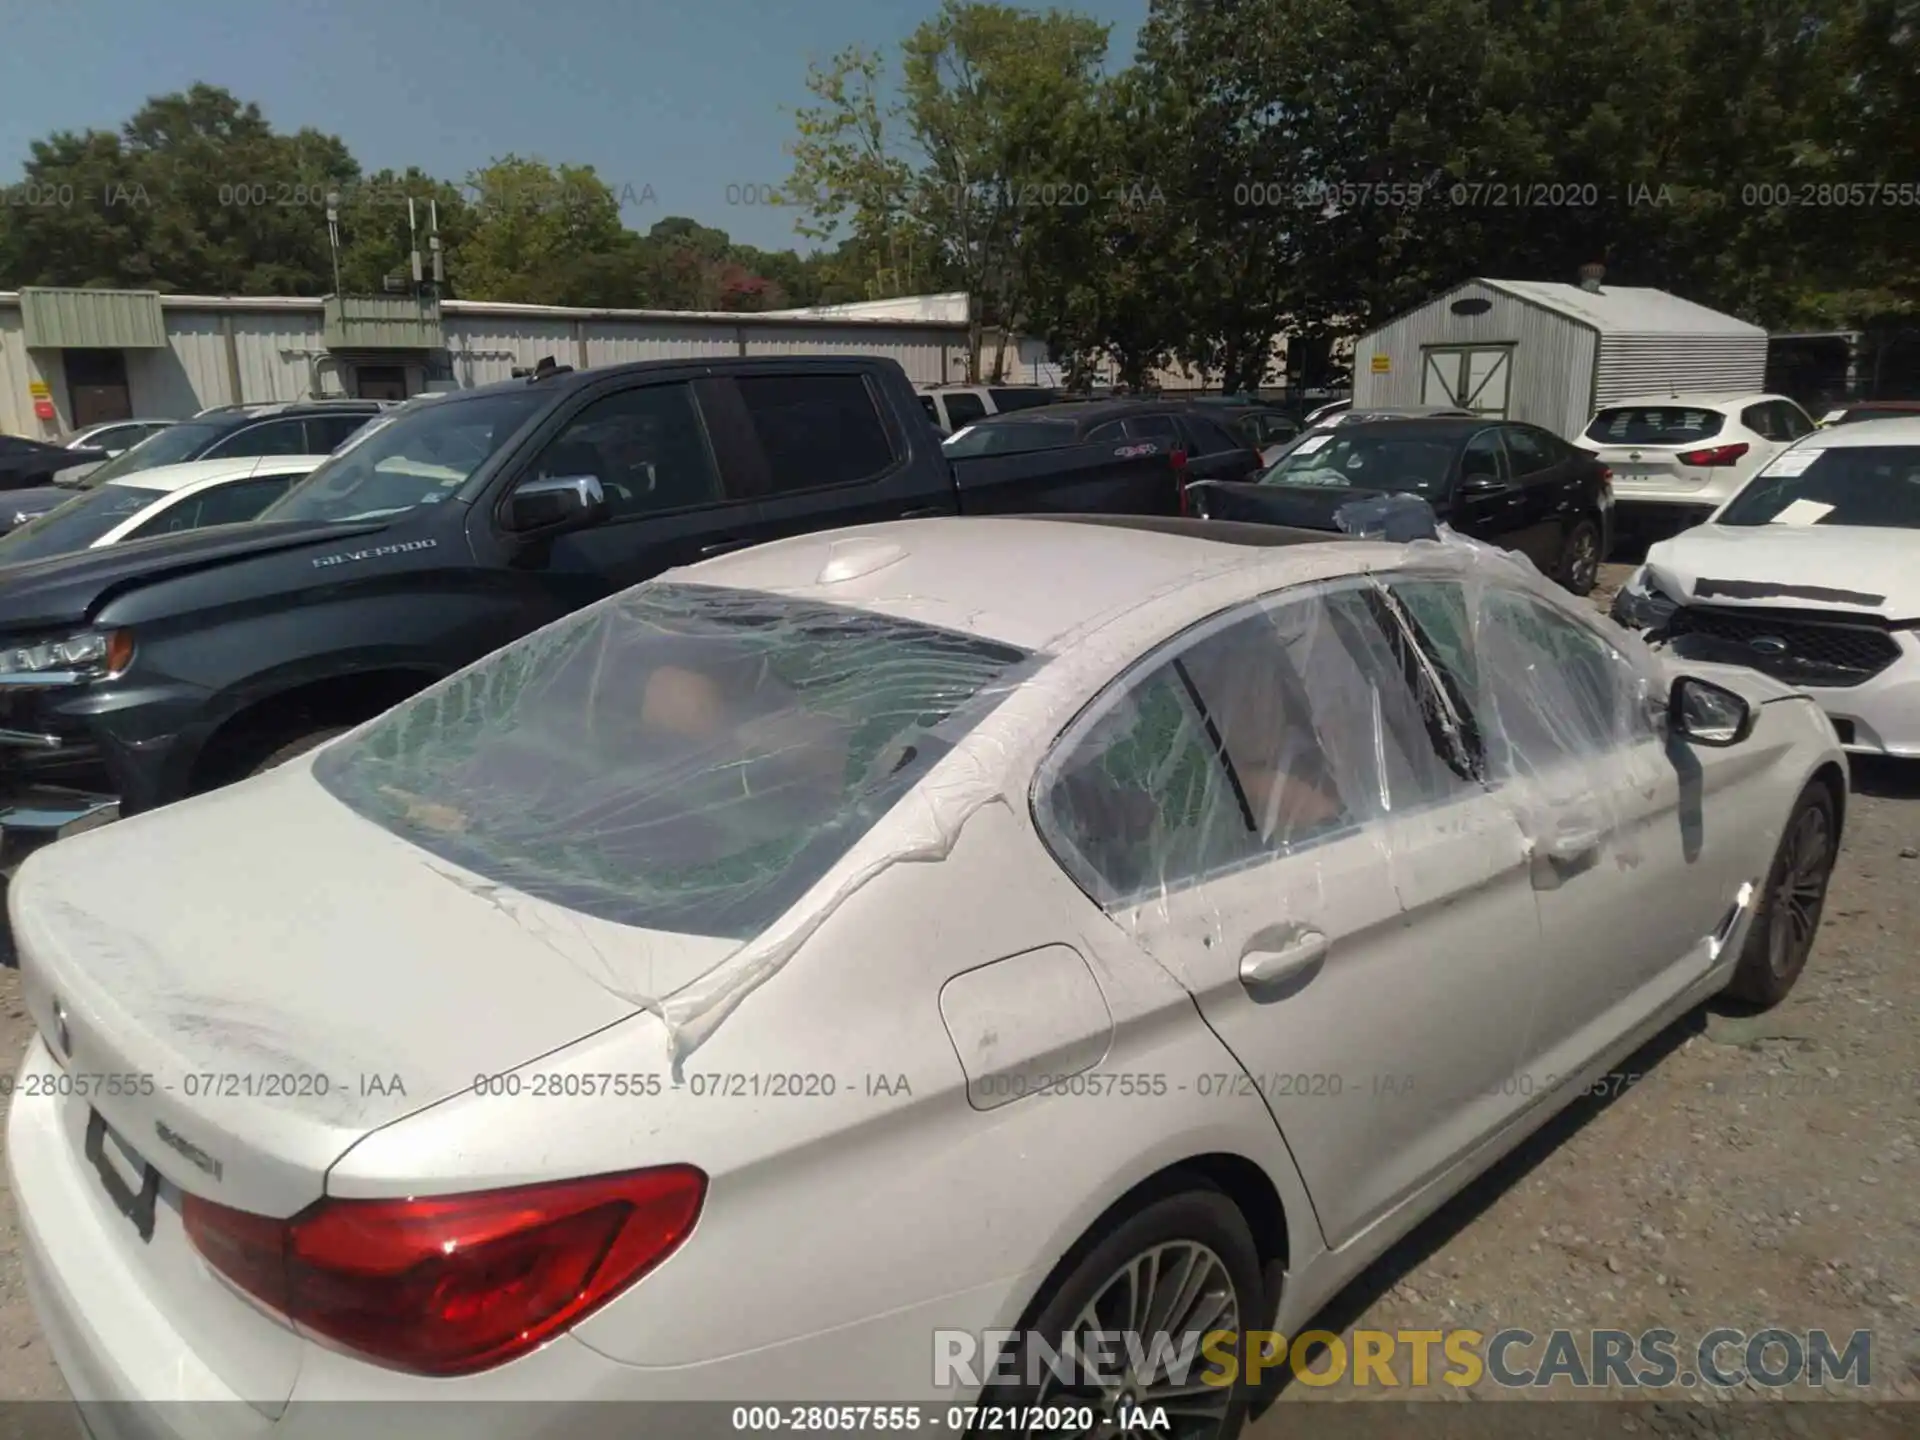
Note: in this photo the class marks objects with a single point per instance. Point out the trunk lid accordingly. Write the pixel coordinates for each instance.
(292, 977)
(251, 982)
(1657, 467)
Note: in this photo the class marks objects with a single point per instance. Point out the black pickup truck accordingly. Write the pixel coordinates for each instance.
(141, 673)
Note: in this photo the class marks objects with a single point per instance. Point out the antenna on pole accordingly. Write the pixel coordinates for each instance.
(333, 235)
(433, 244)
(413, 240)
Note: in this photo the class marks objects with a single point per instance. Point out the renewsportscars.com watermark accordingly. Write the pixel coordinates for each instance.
(1723, 1358)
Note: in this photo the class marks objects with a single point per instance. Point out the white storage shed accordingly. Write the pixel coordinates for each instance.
(1552, 354)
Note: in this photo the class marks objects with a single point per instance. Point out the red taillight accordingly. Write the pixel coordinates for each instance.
(1714, 455)
(457, 1283)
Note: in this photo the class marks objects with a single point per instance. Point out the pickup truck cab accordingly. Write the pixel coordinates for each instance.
(954, 407)
(138, 674)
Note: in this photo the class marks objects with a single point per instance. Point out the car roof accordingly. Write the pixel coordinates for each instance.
(1709, 399)
(1901, 431)
(266, 410)
(1852, 405)
(1089, 412)
(1024, 580)
(207, 472)
(1417, 427)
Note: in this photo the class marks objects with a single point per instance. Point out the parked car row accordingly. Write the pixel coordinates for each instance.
(303, 427)
(145, 672)
(163, 500)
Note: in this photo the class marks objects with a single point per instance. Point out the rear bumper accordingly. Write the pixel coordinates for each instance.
(121, 1359)
(1650, 514)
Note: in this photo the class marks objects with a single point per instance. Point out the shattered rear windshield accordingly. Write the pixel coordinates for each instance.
(679, 757)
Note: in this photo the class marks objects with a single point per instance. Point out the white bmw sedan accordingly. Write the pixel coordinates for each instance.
(778, 980)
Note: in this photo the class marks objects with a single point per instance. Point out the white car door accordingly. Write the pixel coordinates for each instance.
(1265, 807)
(1633, 869)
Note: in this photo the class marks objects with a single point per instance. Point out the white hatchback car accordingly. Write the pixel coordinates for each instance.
(769, 982)
(1677, 458)
(160, 501)
(1811, 574)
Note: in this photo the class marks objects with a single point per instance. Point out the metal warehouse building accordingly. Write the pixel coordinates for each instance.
(73, 357)
(1553, 354)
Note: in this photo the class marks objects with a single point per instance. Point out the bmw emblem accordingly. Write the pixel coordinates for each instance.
(62, 1036)
(1768, 645)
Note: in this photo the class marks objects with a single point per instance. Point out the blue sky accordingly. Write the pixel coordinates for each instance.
(681, 97)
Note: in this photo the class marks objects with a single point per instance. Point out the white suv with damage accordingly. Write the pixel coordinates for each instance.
(1811, 574)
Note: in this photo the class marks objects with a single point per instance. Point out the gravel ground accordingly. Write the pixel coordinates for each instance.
(1742, 1171)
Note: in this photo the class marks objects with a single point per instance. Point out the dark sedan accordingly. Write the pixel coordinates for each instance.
(25, 463)
(1207, 446)
(1512, 485)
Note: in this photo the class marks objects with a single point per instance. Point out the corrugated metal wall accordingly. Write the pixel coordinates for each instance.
(1662, 364)
(486, 348)
(189, 375)
(921, 353)
(16, 375)
(278, 351)
(622, 342)
(1553, 357)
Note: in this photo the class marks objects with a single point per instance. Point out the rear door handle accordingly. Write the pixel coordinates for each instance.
(1262, 969)
(1573, 844)
(721, 547)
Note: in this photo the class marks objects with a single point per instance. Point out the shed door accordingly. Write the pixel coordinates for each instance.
(1471, 377)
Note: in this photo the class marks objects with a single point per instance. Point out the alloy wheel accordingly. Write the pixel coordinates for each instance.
(1805, 862)
(1583, 565)
(1170, 1297)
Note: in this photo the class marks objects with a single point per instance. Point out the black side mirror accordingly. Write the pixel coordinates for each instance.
(1708, 714)
(561, 502)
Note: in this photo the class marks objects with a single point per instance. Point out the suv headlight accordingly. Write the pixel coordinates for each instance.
(90, 655)
(1642, 605)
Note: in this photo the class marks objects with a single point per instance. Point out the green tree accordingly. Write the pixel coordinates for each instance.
(196, 193)
(989, 92)
(851, 182)
(546, 235)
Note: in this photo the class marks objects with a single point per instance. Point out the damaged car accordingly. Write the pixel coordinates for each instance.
(804, 912)
(1810, 574)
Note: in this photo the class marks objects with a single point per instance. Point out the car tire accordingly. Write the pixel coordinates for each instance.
(1091, 1289)
(295, 748)
(1787, 919)
(1580, 557)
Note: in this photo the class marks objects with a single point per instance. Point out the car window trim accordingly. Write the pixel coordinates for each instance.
(898, 444)
(516, 466)
(1501, 462)
(1166, 655)
(140, 519)
(212, 452)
